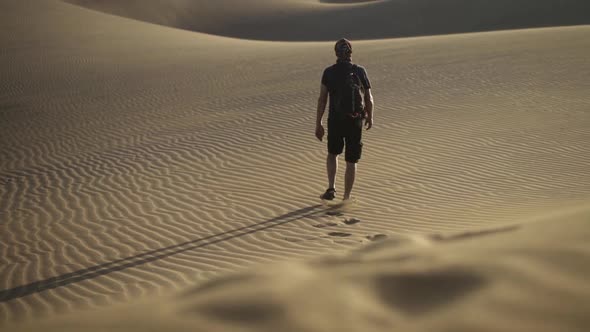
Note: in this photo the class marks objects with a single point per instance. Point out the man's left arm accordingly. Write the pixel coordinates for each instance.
(322, 102)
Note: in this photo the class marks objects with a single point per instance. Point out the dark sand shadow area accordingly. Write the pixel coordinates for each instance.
(309, 21)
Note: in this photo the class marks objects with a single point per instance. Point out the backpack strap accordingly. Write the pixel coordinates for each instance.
(355, 69)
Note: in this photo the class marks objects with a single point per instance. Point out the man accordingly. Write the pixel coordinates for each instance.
(345, 120)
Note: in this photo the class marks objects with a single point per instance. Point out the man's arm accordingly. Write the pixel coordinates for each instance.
(322, 102)
(369, 108)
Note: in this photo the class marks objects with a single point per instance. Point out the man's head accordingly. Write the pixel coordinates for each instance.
(343, 49)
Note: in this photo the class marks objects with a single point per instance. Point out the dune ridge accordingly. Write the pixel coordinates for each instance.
(136, 159)
(310, 20)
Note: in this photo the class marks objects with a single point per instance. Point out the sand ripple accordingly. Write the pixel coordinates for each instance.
(136, 159)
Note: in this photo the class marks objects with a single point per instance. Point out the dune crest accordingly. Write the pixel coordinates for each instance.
(305, 20)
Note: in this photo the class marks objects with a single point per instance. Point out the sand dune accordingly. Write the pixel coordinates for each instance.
(305, 20)
(508, 279)
(137, 160)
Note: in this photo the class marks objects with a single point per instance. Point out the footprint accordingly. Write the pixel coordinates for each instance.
(328, 224)
(339, 234)
(351, 221)
(334, 213)
(376, 237)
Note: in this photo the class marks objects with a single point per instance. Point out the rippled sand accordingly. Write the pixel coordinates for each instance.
(169, 178)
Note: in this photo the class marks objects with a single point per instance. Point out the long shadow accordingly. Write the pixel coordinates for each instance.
(153, 255)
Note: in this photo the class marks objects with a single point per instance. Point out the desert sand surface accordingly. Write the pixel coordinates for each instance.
(160, 178)
(523, 277)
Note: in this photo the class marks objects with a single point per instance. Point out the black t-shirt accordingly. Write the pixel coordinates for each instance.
(334, 74)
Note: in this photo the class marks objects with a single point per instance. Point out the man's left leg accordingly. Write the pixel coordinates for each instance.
(349, 179)
(354, 148)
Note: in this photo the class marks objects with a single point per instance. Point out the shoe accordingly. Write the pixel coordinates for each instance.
(329, 195)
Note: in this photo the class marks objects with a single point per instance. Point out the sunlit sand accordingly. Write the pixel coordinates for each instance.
(158, 168)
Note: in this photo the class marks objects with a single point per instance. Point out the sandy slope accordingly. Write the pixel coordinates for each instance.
(527, 277)
(328, 20)
(136, 159)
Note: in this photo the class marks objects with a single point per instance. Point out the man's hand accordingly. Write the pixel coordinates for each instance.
(369, 123)
(319, 131)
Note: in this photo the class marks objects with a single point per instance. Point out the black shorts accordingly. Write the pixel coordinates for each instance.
(346, 132)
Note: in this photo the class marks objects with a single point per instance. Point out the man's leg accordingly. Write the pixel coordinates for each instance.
(335, 147)
(354, 148)
(332, 167)
(349, 179)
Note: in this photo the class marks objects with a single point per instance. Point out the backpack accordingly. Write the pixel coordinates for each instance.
(349, 95)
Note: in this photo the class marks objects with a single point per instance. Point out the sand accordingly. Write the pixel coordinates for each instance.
(165, 178)
(517, 278)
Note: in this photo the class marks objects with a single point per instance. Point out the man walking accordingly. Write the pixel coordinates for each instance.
(351, 102)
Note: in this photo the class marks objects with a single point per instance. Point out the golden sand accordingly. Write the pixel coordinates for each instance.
(164, 178)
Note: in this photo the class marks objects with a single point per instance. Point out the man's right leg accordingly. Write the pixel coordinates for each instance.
(332, 168)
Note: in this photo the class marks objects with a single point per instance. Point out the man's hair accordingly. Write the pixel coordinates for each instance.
(343, 49)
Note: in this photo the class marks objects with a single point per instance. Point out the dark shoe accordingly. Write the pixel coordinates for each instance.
(329, 195)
